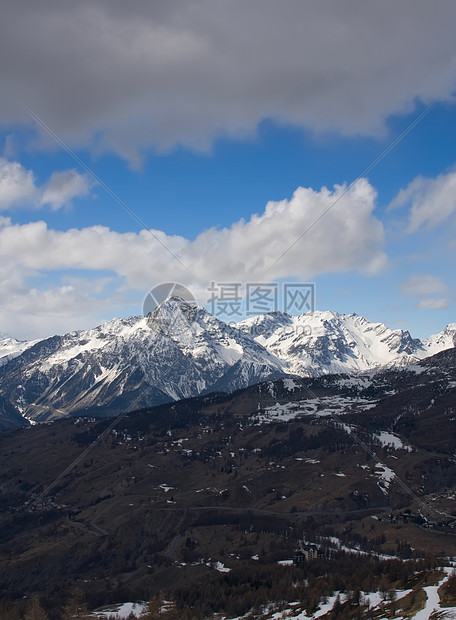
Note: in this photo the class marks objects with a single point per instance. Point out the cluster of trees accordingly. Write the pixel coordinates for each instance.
(250, 587)
(75, 607)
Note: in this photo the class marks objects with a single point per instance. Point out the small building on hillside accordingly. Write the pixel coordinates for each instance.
(305, 553)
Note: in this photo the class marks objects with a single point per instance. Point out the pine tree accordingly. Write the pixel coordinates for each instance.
(76, 608)
(34, 611)
(392, 595)
(337, 607)
(154, 608)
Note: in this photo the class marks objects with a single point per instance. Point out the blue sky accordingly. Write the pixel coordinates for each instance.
(222, 141)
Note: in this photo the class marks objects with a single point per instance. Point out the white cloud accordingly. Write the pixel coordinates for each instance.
(423, 284)
(18, 187)
(431, 201)
(348, 238)
(434, 303)
(182, 72)
(62, 187)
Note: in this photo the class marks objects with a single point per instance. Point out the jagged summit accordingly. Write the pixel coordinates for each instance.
(173, 316)
(173, 303)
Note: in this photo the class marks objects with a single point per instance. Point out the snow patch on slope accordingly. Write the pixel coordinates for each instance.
(390, 439)
(386, 476)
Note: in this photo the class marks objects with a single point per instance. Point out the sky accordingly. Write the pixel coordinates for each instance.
(228, 146)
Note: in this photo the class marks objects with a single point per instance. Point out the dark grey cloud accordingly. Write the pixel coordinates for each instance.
(127, 76)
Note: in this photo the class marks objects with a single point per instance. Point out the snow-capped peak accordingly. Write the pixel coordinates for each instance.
(11, 348)
(446, 339)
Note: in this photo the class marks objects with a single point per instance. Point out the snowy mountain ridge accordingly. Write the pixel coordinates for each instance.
(182, 351)
(325, 342)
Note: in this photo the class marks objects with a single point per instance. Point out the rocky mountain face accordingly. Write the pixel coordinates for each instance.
(182, 351)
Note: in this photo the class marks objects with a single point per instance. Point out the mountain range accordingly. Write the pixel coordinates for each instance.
(181, 351)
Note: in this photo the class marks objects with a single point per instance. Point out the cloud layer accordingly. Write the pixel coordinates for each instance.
(184, 72)
(349, 237)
